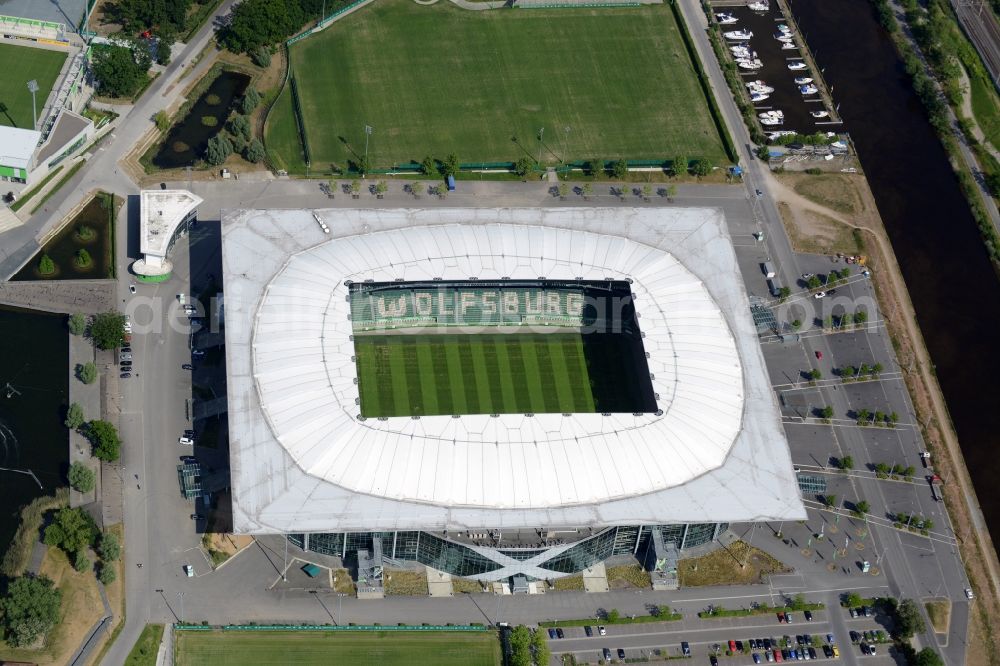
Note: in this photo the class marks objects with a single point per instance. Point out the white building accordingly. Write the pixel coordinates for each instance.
(25, 159)
(164, 216)
(494, 495)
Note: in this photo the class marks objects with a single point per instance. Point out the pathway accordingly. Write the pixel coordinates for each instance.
(86, 296)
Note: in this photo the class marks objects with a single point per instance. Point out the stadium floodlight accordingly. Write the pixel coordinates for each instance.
(33, 87)
(541, 133)
(368, 132)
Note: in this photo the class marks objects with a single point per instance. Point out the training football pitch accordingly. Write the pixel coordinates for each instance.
(21, 64)
(321, 648)
(434, 80)
(502, 373)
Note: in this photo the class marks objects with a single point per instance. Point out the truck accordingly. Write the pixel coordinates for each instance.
(935, 482)
(925, 458)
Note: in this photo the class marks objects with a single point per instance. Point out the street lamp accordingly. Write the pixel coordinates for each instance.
(33, 87)
(541, 134)
(180, 598)
(368, 132)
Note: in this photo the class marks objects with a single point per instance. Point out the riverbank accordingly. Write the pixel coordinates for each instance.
(935, 423)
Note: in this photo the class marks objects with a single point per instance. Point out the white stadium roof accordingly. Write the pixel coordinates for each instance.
(302, 460)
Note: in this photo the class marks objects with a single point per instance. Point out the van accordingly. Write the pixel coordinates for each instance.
(774, 287)
(768, 269)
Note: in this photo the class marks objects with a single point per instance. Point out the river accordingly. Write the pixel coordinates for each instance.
(34, 357)
(954, 289)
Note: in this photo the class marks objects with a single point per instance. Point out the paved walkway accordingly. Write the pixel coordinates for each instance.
(88, 396)
(86, 296)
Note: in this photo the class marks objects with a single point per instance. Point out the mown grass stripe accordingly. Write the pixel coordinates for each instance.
(557, 346)
(470, 387)
(486, 382)
(398, 378)
(455, 381)
(526, 365)
(430, 380)
(498, 354)
(538, 348)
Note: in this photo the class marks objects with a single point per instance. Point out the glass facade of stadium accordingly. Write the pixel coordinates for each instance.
(495, 563)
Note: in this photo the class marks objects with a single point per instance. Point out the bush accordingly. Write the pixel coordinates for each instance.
(524, 166)
(119, 70)
(261, 56)
(250, 101)
(107, 575)
(46, 266)
(86, 372)
(81, 477)
(702, 167)
(595, 167)
(77, 323)
(218, 151)
(108, 330)
(240, 126)
(209, 121)
(82, 258)
(72, 530)
(104, 438)
(163, 52)
(81, 562)
(110, 548)
(429, 166)
(679, 165)
(74, 416)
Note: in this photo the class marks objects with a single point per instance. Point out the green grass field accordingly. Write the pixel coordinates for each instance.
(20, 65)
(434, 80)
(502, 373)
(321, 648)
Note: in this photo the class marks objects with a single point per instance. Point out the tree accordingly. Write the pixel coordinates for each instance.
(74, 416)
(240, 126)
(110, 548)
(82, 258)
(671, 192)
(862, 507)
(364, 165)
(46, 266)
(450, 166)
(847, 463)
(647, 189)
(162, 51)
(81, 477)
(250, 101)
(784, 293)
(524, 166)
(815, 374)
(261, 56)
(107, 575)
(702, 167)
(588, 189)
(119, 70)
(910, 621)
(104, 438)
(928, 657)
(254, 151)
(72, 530)
(830, 500)
(520, 646)
(540, 648)
(162, 120)
(763, 153)
(238, 143)
(77, 323)
(429, 166)
(219, 149)
(679, 165)
(619, 169)
(86, 372)
(381, 187)
(415, 189)
(163, 16)
(853, 600)
(81, 562)
(826, 412)
(595, 167)
(563, 190)
(613, 615)
(355, 187)
(108, 330)
(30, 609)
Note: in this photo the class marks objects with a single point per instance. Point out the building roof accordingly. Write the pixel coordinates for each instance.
(66, 129)
(160, 213)
(303, 460)
(17, 146)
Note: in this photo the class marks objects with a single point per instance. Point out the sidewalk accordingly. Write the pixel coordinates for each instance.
(88, 396)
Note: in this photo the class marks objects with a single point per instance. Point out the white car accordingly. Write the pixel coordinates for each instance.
(969, 594)
(602, 631)
(131, 288)
(185, 440)
(819, 294)
(189, 570)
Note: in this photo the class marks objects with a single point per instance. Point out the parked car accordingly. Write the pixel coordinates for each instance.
(621, 653)
(808, 615)
(187, 366)
(778, 658)
(125, 375)
(781, 617)
(188, 459)
(131, 288)
(756, 658)
(189, 570)
(732, 645)
(788, 616)
(127, 350)
(811, 651)
(185, 440)
(601, 630)
(197, 516)
(739, 646)
(685, 649)
(588, 630)
(713, 660)
(559, 632)
(552, 633)
(827, 651)
(767, 643)
(819, 294)
(607, 654)
(768, 656)
(829, 639)
(836, 651)
(969, 594)
(855, 636)
(866, 611)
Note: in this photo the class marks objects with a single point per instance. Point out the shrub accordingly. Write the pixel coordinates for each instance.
(81, 477)
(702, 167)
(619, 169)
(107, 575)
(428, 166)
(74, 416)
(254, 151)
(250, 101)
(72, 530)
(261, 56)
(524, 166)
(86, 372)
(240, 126)
(104, 438)
(679, 165)
(209, 121)
(110, 548)
(81, 562)
(77, 323)
(82, 258)
(218, 151)
(46, 266)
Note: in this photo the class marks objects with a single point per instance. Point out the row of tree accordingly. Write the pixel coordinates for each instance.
(527, 647)
(238, 135)
(263, 24)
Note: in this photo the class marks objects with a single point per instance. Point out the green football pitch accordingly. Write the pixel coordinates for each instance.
(21, 64)
(308, 648)
(435, 80)
(502, 373)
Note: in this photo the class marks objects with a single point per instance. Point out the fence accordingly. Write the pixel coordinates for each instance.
(327, 21)
(328, 627)
(300, 121)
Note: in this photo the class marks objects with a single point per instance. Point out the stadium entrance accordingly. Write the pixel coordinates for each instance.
(504, 347)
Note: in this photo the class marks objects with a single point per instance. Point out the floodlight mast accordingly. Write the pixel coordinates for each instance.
(33, 87)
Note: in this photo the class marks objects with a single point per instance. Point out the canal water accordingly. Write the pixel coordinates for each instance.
(34, 357)
(954, 289)
(187, 140)
(96, 217)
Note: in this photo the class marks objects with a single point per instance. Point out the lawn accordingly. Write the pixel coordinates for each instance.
(322, 648)
(603, 83)
(22, 64)
(146, 648)
(505, 373)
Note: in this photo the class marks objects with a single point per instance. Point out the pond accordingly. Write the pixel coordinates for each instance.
(187, 140)
(34, 358)
(83, 250)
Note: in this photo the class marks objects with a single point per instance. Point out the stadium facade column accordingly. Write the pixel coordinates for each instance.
(305, 542)
(685, 536)
(638, 538)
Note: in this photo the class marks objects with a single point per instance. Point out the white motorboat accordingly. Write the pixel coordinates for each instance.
(740, 50)
(752, 65)
(759, 86)
(802, 80)
(808, 89)
(771, 121)
(759, 5)
(756, 96)
(788, 46)
(819, 114)
(782, 37)
(777, 134)
(771, 117)
(738, 34)
(796, 65)
(725, 19)
(784, 28)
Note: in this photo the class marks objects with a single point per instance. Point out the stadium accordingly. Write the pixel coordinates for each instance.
(496, 392)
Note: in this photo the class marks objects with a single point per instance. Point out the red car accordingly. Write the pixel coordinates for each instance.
(732, 646)
(819, 354)
(781, 617)
(777, 656)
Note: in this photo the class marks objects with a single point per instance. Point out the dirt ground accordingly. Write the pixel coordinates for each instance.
(724, 566)
(939, 610)
(977, 550)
